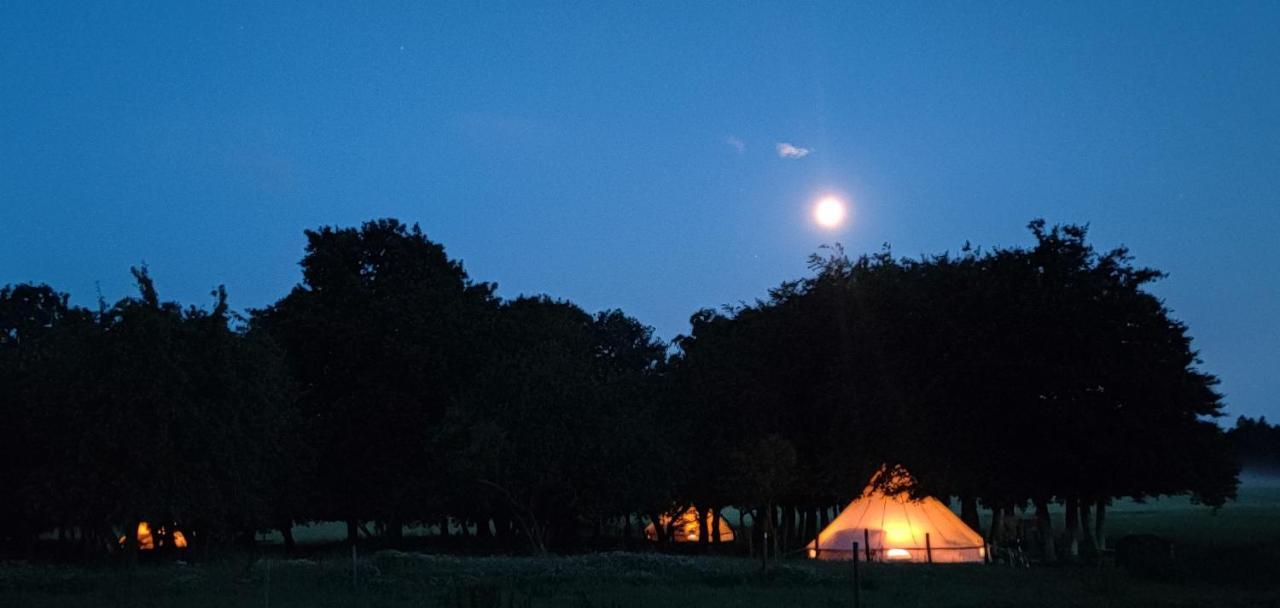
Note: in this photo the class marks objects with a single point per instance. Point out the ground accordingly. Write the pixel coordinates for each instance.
(1226, 558)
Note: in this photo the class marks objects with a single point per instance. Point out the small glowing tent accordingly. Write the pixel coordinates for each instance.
(893, 527)
(147, 541)
(685, 528)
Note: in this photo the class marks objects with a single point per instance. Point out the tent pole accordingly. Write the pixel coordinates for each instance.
(866, 542)
(928, 548)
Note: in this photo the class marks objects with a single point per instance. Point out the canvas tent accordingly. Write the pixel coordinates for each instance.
(148, 541)
(893, 527)
(685, 528)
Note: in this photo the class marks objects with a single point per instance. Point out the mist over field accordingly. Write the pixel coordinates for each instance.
(1259, 478)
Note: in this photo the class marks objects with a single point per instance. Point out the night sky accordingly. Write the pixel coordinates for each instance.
(630, 155)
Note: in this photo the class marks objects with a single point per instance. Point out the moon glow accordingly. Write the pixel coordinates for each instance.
(830, 212)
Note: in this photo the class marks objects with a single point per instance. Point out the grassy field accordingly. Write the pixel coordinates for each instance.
(1227, 558)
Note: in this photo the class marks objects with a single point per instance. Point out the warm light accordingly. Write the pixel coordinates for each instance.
(685, 527)
(145, 542)
(897, 532)
(898, 554)
(829, 212)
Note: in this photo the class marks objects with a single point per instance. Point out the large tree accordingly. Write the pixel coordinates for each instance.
(1016, 375)
(383, 333)
(141, 411)
(558, 433)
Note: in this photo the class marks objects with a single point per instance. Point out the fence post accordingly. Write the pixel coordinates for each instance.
(857, 584)
(866, 542)
(928, 548)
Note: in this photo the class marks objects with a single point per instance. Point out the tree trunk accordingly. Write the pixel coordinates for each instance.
(802, 525)
(1044, 524)
(774, 525)
(659, 530)
(810, 527)
(286, 533)
(395, 532)
(1088, 548)
(993, 533)
(353, 531)
(1073, 527)
(1099, 525)
(131, 541)
(444, 526)
(788, 528)
(969, 512)
(503, 531)
(715, 526)
(482, 529)
(703, 536)
(97, 536)
(768, 542)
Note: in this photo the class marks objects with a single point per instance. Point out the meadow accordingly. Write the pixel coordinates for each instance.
(1230, 557)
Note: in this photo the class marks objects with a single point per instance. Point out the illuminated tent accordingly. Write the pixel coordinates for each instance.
(147, 541)
(896, 528)
(685, 529)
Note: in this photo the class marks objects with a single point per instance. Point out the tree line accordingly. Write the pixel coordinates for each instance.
(1257, 442)
(389, 389)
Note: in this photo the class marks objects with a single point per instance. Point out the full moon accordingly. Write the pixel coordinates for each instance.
(830, 212)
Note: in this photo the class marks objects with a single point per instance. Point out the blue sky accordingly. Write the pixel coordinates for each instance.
(625, 154)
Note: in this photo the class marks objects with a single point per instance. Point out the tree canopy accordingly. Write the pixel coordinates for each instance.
(390, 387)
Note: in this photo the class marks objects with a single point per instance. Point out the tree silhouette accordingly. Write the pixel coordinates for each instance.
(382, 336)
(390, 387)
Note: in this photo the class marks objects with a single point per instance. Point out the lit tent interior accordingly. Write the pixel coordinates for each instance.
(893, 527)
(147, 541)
(685, 529)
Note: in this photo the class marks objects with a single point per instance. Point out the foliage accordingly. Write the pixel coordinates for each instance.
(157, 413)
(389, 387)
(1015, 375)
(1257, 443)
(381, 338)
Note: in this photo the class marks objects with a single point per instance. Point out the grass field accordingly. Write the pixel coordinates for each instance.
(1227, 558)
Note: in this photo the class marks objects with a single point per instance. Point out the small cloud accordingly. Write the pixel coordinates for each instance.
(786, 150)
(737, 144)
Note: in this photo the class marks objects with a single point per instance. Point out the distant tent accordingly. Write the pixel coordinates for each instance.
(685, 528)
(148, 541)
(893, 527)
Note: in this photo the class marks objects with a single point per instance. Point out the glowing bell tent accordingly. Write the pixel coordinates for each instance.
(147, 541)
(894, 528)
(685, 529)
